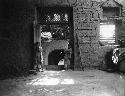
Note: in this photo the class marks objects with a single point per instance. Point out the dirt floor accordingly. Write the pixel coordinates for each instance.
(65, 83)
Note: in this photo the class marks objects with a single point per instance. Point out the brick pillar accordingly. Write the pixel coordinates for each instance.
(86, 20)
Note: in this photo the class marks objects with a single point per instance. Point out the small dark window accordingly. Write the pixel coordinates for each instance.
(111, 11)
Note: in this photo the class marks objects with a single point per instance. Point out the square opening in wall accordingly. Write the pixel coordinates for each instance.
(107, 33)
(111, 11)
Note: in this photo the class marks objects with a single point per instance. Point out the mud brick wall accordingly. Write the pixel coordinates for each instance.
(86, 21)
(122, 34)
(87, 16)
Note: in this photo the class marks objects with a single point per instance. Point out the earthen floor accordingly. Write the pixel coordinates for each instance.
(65, 83)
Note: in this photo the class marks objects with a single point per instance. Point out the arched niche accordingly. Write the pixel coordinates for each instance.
(55, 56)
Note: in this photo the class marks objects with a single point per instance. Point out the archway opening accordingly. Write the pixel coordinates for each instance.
(55, 56)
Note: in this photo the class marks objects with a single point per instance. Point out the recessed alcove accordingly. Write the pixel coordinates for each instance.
(55, 56)
(111, 11)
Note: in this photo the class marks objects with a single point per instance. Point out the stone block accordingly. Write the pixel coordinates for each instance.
(84, 33)
(87, 33)
(81, 15)
(94, 46)
(94, 33)
(85, 62)
(79, 3)
(85, 25)
(75, 15)
(85, 55)
(94, 57)
(87, 3)
(75, 9)
(95, 5)
(80, 8)
(94, 39)
(95, 14)
(84, 40)
(84, 48)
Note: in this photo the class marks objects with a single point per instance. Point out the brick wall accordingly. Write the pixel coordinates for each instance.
(87, 15)
(122, 34)
(86, 20)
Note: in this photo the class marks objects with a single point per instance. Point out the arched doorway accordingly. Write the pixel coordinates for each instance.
(55, 23)
(55, 56)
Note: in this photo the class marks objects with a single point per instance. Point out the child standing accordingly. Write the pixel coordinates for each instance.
(38, 66)
(67, 58)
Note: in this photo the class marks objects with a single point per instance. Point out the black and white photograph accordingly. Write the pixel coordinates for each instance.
(62, 47)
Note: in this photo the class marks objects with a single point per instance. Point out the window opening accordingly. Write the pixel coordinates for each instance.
(55, 17)
(107, 33)
(55, 24)
(111, 11)
(57, 32)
